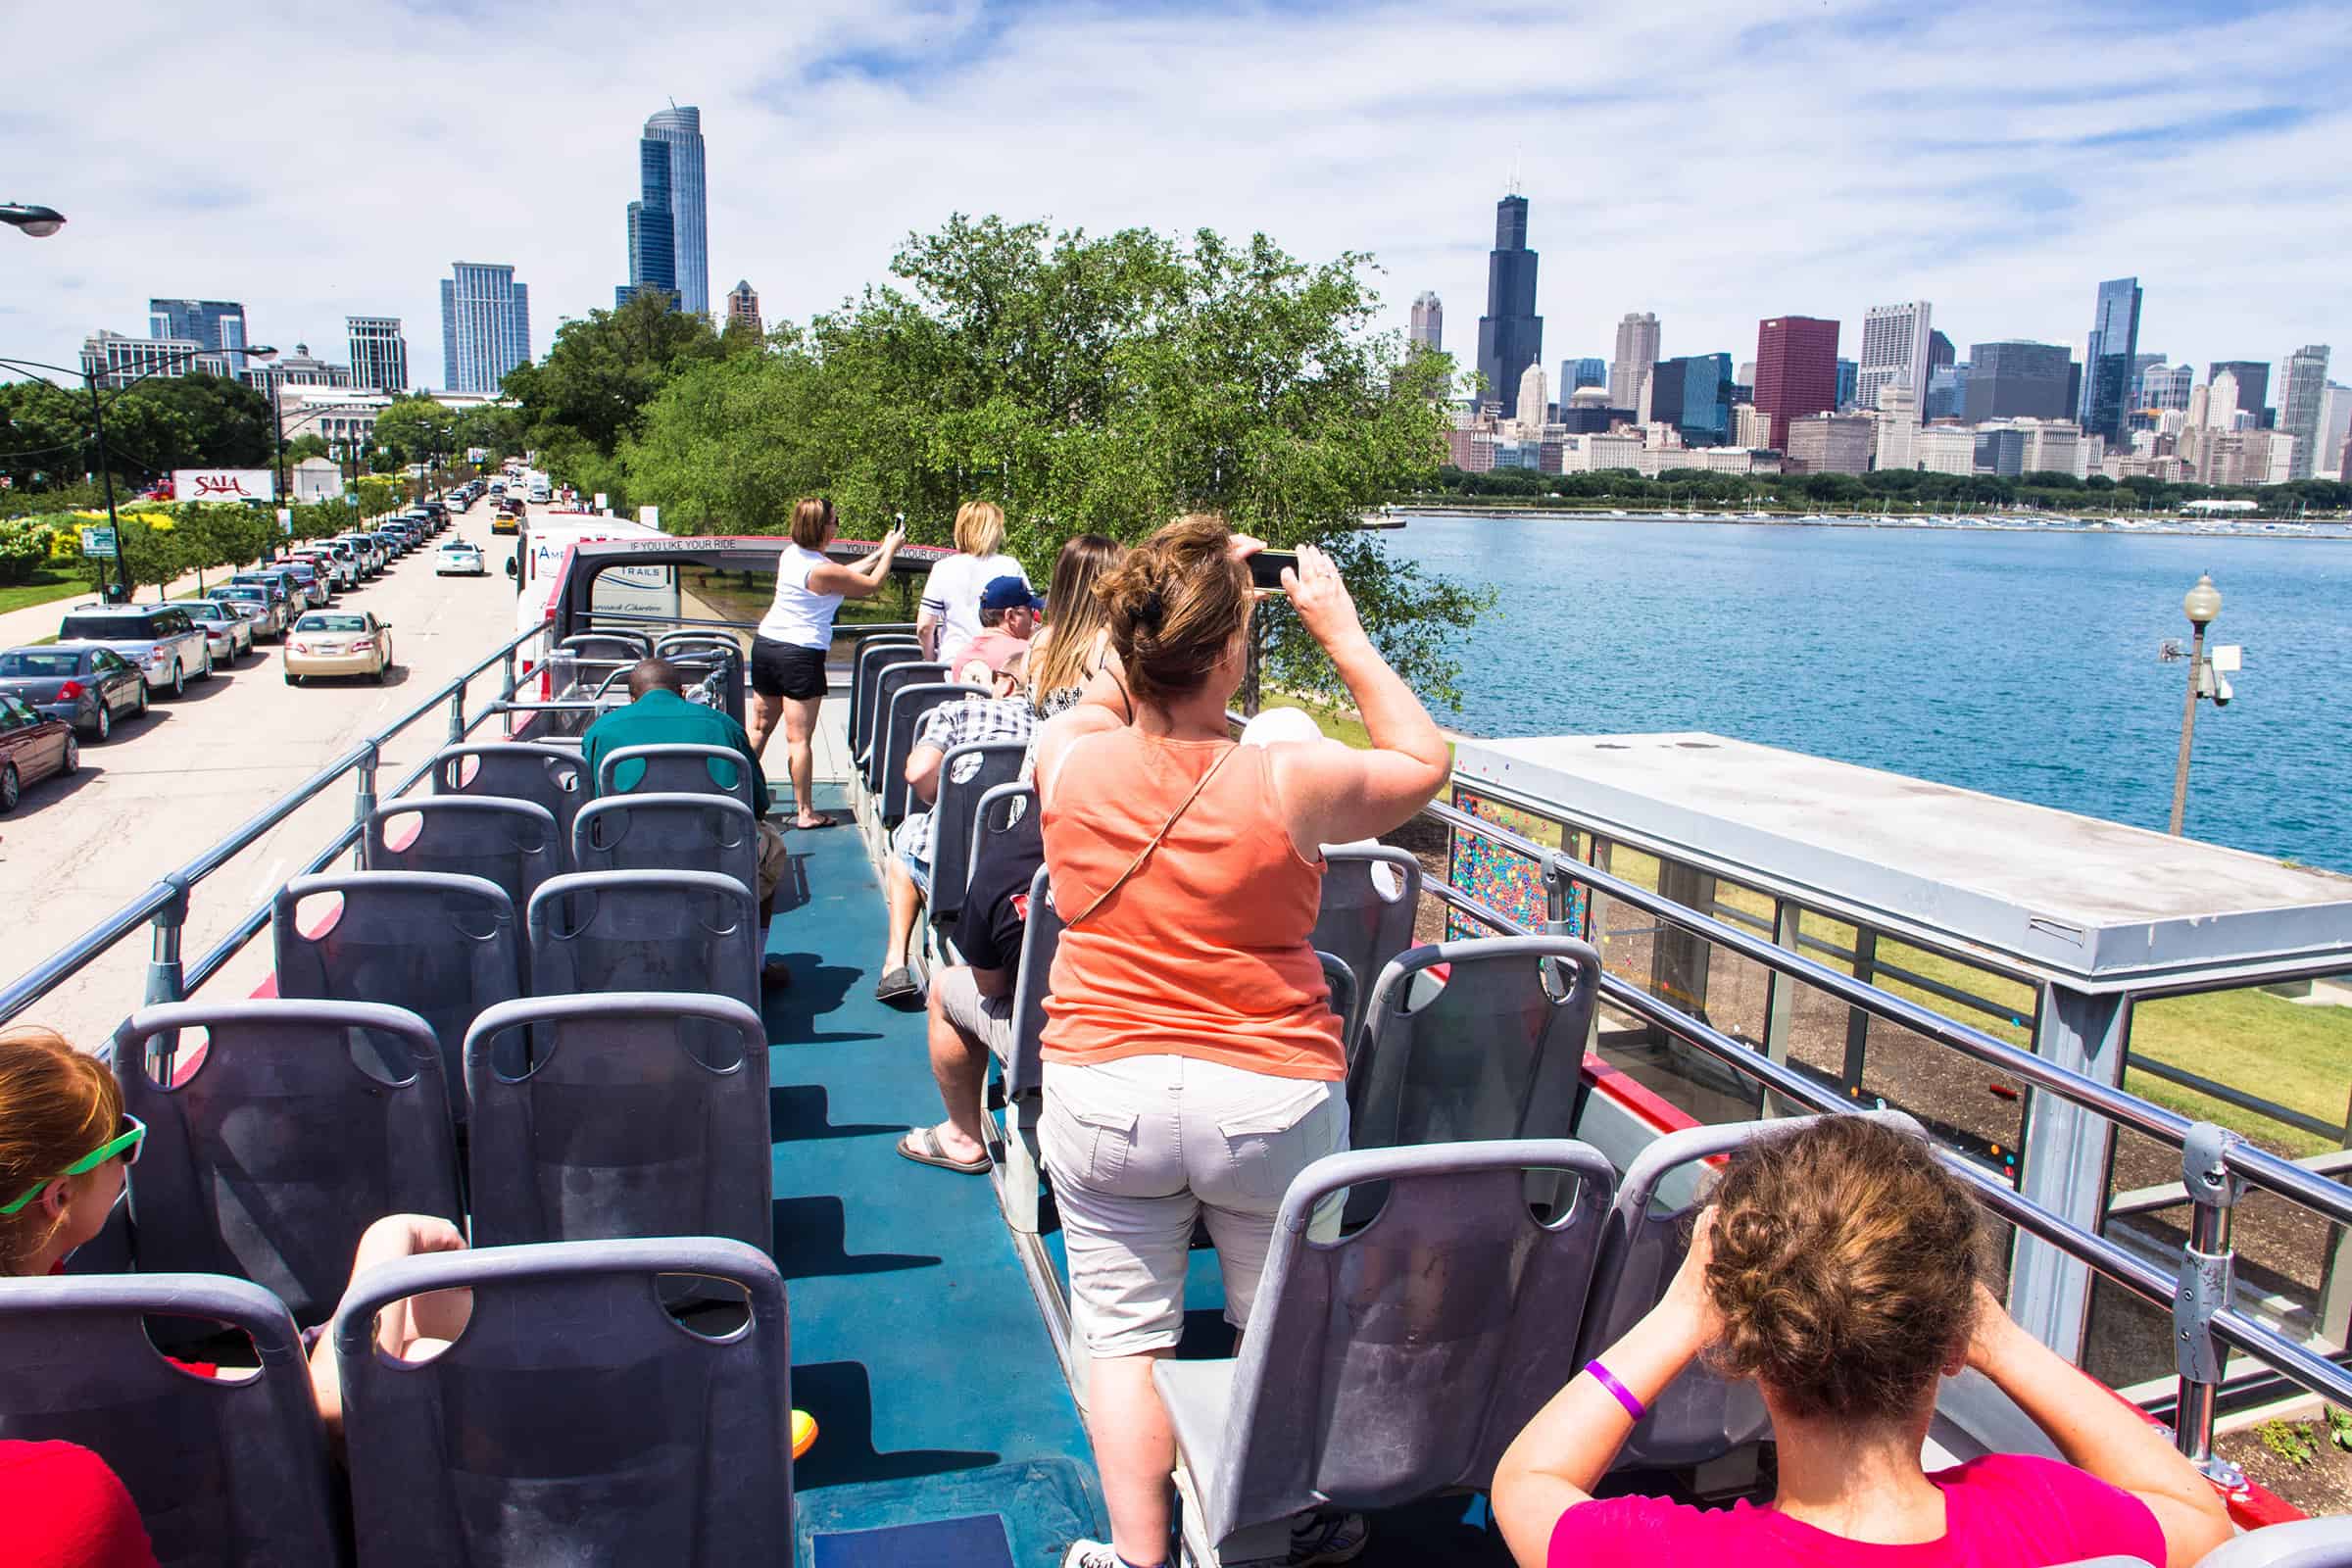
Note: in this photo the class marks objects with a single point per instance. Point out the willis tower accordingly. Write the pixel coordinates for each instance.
(1510, 336)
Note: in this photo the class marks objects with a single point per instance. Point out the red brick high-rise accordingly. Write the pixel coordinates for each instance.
(1796, 371)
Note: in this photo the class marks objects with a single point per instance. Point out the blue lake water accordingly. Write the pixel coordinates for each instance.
(2018, 663)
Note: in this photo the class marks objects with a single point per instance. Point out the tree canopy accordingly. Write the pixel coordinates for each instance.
(1083, 384)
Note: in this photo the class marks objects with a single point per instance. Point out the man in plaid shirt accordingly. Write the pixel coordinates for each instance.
(1004, 716)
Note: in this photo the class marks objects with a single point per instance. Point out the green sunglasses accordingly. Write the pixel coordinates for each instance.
(125, 1142)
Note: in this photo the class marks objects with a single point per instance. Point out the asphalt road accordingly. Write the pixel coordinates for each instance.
(168, 786)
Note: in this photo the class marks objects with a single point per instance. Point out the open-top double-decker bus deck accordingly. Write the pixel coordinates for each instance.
(929, 1332)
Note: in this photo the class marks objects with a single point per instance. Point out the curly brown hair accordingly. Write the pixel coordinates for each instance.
(1175, 605)
(1844, 1266)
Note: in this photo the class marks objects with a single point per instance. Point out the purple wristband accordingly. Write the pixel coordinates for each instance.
(1625, 1395)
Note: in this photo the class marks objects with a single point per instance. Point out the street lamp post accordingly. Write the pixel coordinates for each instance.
(39, 222)
(2202, 604)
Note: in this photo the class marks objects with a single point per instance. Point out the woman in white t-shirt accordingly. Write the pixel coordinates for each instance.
(950, 615)
(788, 653)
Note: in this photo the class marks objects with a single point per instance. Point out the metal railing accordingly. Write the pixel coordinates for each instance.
(2216, 1163)
(163, 907)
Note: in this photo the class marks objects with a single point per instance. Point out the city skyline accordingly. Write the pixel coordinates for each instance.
(844, 132)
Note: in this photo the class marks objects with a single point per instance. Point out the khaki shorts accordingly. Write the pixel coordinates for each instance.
(774, 859)
(1143, 1147)
(987, 1019)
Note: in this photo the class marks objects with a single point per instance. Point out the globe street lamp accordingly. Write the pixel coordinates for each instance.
(89, 380)
(38, 221)
(2202, 605)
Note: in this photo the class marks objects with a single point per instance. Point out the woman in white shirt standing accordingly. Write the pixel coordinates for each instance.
(788, 653)
(950, 615)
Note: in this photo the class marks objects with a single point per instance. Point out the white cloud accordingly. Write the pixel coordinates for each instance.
(1715, 162)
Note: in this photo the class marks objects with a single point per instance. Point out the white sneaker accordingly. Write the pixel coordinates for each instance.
(1090, 1555)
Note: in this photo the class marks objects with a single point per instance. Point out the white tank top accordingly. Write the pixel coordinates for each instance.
(798, 616)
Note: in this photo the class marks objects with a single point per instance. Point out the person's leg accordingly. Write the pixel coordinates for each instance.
(966, 1028)
(800, 750)
(765, 713)
(411, 1328)
(1111, 1138)
(775, 858)
(906, 899)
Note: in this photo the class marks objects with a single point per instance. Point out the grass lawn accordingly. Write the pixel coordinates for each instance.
(48, 584)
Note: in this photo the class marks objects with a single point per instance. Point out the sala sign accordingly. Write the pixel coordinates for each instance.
(223, 484)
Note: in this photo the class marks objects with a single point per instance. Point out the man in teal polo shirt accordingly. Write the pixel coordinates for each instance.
(659, 714)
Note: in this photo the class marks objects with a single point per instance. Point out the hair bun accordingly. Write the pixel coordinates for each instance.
(1150, 608)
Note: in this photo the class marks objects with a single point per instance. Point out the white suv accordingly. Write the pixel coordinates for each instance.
(166, 643)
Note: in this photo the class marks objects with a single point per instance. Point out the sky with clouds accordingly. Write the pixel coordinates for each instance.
(1712, 161)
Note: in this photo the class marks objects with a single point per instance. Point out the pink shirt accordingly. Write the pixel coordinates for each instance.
(2005, 1510)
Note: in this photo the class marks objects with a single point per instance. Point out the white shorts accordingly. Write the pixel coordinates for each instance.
(1143, 1147)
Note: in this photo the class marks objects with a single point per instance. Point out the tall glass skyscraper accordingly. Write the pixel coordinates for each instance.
(1510, 336)
(485, 325)
(2110, 360)
(214, 324)
(672, 210)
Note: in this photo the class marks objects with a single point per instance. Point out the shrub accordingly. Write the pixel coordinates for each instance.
(24, 549)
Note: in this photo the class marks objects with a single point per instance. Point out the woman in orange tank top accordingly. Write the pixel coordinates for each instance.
(1193, 1063)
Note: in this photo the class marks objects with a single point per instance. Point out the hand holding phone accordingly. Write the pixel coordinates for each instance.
(1266, 567)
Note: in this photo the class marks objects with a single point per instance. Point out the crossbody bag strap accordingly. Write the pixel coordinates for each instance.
(1166, 828)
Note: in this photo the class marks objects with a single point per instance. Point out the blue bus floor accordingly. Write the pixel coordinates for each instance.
(945, 1437)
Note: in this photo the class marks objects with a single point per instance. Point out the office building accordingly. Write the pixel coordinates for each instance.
(299, 369)
(2017, 379)
(485, 325)
(116, 361)
(1894, 348)
(1898, 433)
(1940, 351)
(2001, 451)
(1428, 322)
(1945, 449)
(1629, 370)
(1510, 336)
(1693, 395)
(1745, 375)
(743, 307)
(1751, 427)
(653, 246)
(1797, 370)
(2302, 384)
(2167, 386)
(1848, 374)
(214, 324)
(1535, 398)
(2246, 457)
(673, 137)
(1830, 443)
(1947, 393)
(2334, 424)
(380, 354)
(2046, 446)
(2224, 408)
(2253, 380)
(1576, 375)
(2110, 360)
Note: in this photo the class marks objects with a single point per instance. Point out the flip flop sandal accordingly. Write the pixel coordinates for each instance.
(823, 820)
(899, 985)
(921, 1145)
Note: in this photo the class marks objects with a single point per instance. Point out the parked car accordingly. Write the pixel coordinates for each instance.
(169, 649)
(81, 683)
(316, 590)
(257, 603)
(279, 582)
(31, 748)
(336, 558)
(339, 642)
(458, 558)
(230, 633)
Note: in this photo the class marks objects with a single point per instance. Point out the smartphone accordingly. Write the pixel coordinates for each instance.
(1266, 567)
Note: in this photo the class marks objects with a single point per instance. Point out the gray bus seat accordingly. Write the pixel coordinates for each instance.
(1344, 990)
(596, 931)
(1699, 1417)
(677, 769)
(668, 832)
(1024, 1063)
(1396, 1362)
(689, 644)
(966, 775)
(873, 655)
(443, 946)
(512, 843)
(894, 740)
(1370, 895)
(288, 1141)
(575, 1420)
(607, 645)
(2296, 1544)
(894, 678)
(639, 1114)
(517, 770)
(223, 1470)
(1498, 1053)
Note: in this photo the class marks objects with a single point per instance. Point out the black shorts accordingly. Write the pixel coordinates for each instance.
(784, 669)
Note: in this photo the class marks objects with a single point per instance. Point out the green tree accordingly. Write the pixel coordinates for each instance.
(1082, 382)
(309, 444)
(603, 369)
(411, 428)
(221, 423)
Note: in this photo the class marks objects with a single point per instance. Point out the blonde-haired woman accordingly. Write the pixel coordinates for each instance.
(950, 615)
(788, 652)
